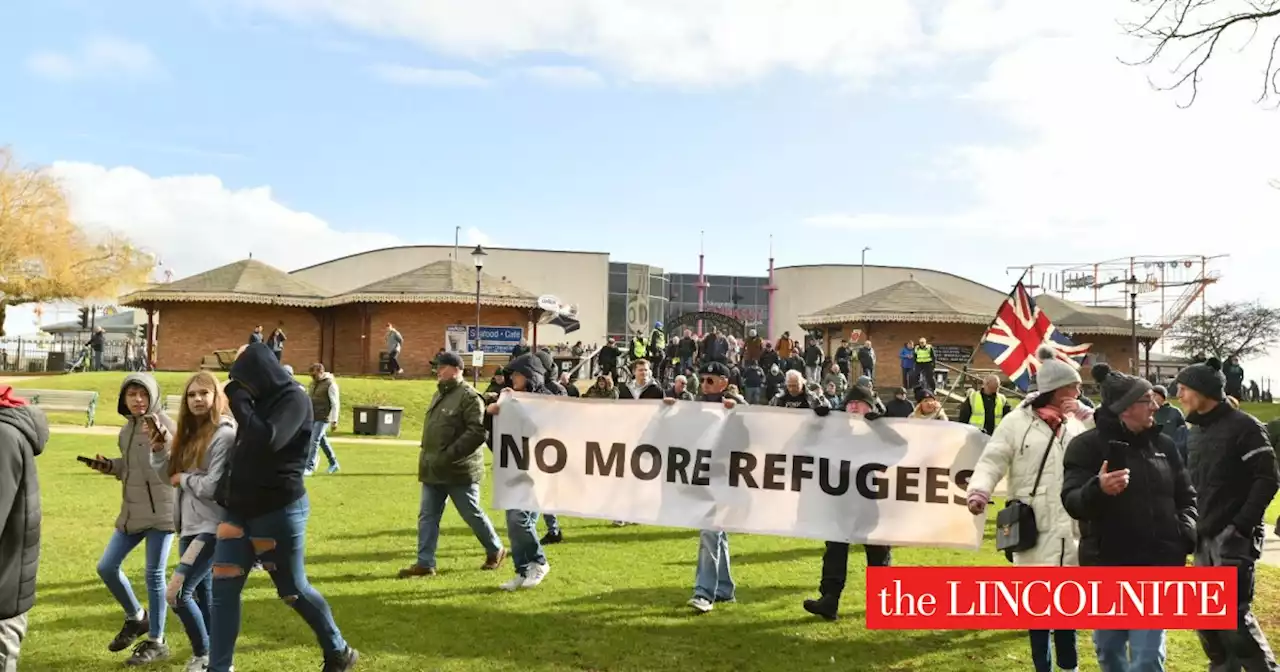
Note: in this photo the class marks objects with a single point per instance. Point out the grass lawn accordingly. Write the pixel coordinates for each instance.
(614, 600)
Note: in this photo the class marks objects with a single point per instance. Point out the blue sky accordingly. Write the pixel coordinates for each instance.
(969, 139)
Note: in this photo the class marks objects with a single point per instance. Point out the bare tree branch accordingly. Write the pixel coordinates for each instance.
(1194, 28)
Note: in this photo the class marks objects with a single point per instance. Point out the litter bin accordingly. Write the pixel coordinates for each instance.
(376, 420)
(57, 361)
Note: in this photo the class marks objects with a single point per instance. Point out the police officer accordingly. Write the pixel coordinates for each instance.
(985, 408)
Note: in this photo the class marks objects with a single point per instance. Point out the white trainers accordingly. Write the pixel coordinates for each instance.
(198, 664)
(701, 605)
(536, 574)
(514, 584)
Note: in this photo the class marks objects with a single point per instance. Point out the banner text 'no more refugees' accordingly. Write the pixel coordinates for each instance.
(750, 469)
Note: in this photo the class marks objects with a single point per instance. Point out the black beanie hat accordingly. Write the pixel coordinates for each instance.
(860, 393)
(528, 366)
(1119, 391)
(1205, 378)
(923, 393)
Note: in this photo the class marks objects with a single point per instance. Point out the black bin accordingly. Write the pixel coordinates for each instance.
(384, 362)
(57, 361)
(376, 420)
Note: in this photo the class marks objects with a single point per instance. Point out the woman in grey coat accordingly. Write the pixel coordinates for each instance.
(193, 466)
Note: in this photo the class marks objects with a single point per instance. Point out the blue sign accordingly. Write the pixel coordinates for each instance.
(493, 340)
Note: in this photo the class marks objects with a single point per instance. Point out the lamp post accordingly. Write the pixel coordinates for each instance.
(1132, 285)
(863, 290)
(477, 257)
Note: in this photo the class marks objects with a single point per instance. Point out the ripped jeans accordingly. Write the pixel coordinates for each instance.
(278, 540)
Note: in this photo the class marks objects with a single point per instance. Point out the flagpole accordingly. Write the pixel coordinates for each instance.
(964, 371)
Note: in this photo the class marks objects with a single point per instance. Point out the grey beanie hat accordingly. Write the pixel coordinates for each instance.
(1053, 372)
(1119, 391)
(1206, 378)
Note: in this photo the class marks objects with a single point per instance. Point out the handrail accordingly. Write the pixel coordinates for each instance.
(977, 375)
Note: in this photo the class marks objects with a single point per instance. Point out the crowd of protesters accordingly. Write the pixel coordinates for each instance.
(1132, 482)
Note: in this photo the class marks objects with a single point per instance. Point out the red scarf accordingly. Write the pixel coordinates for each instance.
(8, 400)
(1052, 416)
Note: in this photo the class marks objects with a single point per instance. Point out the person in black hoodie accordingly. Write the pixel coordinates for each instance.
(526, 374)
(1233, 469)
(899, 406)
(607, 360)
(267, 507)
(23, 434)
(1124, 482)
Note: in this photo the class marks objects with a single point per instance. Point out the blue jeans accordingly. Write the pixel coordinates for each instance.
(755, 395)
(1064, 650)
(1146, 650)
(278, 539)
(522, 532)
(118, 548)
(712, 580)
(190, 590)
(320, 440)
(467, 499)
(553, 523)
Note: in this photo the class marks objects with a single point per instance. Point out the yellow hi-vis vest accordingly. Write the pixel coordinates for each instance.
(658, 340)
(637, 348)
(978, 412)
(924, 355)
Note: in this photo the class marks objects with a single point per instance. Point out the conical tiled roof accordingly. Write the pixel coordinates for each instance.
(441, 282)
(906, 301)
(245, 281)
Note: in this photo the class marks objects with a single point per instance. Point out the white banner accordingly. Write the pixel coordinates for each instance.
(753, 469)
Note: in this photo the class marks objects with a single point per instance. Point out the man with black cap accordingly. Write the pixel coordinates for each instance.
(899, 406)
(526, 374)
(1233, 469)
(451, 466)
(1124, 482)
(607, 359)
(861, 401)
(713, 582)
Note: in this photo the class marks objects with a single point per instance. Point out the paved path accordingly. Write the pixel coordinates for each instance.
(101, 430)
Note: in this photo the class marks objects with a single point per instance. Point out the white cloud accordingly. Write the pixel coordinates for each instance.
(661, 41)
(869, 222)
(477, 237)
(410, 76)
(102, 56)
(564, 75)
(195, 222)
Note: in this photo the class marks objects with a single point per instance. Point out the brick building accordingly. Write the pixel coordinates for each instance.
(954, 325)
(217, 310)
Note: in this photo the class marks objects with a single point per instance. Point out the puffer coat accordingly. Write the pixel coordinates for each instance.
(1015, 451)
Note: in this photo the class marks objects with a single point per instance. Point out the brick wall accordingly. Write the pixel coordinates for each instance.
(189, 331)
(353, 336)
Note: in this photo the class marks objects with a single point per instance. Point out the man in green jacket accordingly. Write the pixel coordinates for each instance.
(451, 466)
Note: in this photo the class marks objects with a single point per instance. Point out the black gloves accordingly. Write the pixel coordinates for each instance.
(872, 416)
(822, 410)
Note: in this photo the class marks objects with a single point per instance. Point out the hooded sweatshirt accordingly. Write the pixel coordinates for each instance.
(148, 499)
(23, 434)
(196, 512)
(273, 436)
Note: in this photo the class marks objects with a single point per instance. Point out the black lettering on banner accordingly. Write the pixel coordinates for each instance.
(740, 467)
(597, 464)
(775, 467)
(800, 471)
(881, 484)
(655, 462)
(540, 454)
(824, 477)
(517, 451)
(962, 480)
(908, 479)
(936, 483)
(701, 468)
(678, 460)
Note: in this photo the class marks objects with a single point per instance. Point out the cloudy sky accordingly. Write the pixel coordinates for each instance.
(965, 135)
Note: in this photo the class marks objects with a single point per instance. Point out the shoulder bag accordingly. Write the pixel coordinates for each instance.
(1016, 529)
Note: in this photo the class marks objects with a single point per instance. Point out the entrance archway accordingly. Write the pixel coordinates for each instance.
(723, 323)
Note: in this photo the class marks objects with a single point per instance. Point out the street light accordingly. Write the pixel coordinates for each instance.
(865, 250)
(1132, 286)
(477, 257)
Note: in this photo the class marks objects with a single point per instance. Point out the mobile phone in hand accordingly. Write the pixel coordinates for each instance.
(96, 464)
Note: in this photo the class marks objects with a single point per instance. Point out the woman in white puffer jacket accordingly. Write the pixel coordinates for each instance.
(1046, 421)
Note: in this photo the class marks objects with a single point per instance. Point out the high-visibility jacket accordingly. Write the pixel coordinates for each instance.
(924, 355)
(637, 348)
(658, 341)
(978, 412)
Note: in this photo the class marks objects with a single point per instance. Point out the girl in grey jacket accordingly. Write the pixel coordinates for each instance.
(146, 514)
(193, 466)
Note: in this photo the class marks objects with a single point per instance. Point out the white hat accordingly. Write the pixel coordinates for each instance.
(1054, 373)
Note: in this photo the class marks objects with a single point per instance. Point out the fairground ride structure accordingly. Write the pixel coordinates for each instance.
(1174, 283)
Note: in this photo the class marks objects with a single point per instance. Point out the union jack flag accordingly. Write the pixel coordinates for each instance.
(1019, 329)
